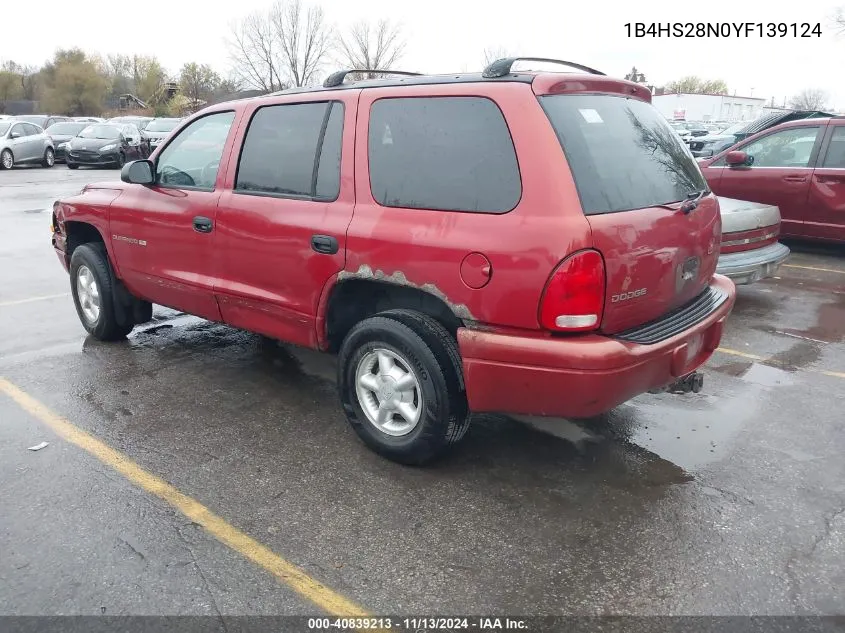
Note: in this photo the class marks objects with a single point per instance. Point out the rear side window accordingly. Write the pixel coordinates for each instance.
(293, 150)
(442, 153)
(835, 156)
(622, 152)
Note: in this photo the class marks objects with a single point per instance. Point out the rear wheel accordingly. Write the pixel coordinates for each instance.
(7, 160)
(92, 283)
(72, 166)
(400, 384)
(49, 158)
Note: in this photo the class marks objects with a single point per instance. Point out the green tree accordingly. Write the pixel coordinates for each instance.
(198, 82)
(697, 85)
(75, 84)
(10, 87)
(148, 76)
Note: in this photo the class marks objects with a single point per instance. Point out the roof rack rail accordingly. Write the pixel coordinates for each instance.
(502, 67)
(335, 79)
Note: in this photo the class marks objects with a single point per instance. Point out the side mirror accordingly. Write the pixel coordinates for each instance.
(138, 172)
(15, 135)
(737, 158)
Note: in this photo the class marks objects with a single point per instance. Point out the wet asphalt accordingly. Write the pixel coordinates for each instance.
(731, 501)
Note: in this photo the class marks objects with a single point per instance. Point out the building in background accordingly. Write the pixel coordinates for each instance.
(703, 107)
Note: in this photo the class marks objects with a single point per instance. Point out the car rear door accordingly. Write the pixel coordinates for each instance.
(825, 214)
(163, 234)
(281, 228)
(780, 174)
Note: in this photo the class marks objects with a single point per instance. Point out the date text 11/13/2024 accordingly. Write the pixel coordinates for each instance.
(723, 29)
(417, 624)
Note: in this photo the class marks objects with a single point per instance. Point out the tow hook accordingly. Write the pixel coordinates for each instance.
(691, 382)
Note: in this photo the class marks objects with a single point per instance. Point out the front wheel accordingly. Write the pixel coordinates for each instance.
(72, 166)
(121, 160)
(49, 158)
(401, 386)
(92, 283)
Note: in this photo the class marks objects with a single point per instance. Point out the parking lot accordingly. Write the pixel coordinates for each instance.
(730, 501)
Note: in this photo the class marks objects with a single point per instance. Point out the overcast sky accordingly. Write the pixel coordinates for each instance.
(450, 35)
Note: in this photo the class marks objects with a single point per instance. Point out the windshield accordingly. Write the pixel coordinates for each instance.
(71, 129)
(38, 120)
(622, 152)
(4, 127)
(162, 125)
(100, 131)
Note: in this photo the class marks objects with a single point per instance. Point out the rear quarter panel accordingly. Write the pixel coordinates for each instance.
(425, 248)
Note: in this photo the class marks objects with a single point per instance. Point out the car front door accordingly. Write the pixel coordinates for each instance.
(19, 142)
(780, 173)
(163, 233)
(825, 217)
(281, 229)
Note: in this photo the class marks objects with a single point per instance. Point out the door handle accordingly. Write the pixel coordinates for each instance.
(795, 179)
(325, 244)
(202, 224)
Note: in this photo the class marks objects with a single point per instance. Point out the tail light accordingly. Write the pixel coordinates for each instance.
(574, 296)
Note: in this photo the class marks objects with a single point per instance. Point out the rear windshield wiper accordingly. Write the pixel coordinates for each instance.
(693, 198)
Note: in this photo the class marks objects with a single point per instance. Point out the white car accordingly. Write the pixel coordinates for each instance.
(22, 143)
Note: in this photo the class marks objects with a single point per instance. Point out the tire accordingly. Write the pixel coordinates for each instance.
(91, 260)
(7, 159)
(49, 158)
(121, 160)
(418, 345)
(72, 166)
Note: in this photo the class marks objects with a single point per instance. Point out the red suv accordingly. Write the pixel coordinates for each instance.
(533, 243)
(798, 166)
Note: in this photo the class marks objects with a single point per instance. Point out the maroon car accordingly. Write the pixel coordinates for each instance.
(798, 166)
(535, 243)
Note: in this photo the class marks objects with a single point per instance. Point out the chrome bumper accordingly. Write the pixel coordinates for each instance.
(750, 266)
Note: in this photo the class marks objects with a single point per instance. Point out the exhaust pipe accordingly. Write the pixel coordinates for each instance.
(693, 382)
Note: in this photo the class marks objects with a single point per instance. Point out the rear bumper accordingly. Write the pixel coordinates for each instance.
(580, 376)
(749, 266)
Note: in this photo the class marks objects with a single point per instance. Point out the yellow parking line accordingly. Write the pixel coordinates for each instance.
(769, 361)
(18, 302)
(823, 270)
(288, 573)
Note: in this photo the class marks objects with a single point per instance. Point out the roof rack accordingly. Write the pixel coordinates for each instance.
(502, 67)
(336, 79)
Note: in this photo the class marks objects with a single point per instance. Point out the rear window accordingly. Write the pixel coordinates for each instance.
(622, 152)
(442, 153)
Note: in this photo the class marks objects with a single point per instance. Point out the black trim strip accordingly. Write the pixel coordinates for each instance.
(677, 320)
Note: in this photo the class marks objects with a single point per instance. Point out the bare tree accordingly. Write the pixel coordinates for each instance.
(285, 46)
(809, 99)
(303, 37)
(493, 53)
(370, 46)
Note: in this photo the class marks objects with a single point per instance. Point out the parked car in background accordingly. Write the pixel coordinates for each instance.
(23, 143)
(712, 144)
(798, 166)
(158, 129)
(103, 144)
(61, 133)
(523, 292)
(42, 120)
(89, 119)
(750, 250)
(140, 121)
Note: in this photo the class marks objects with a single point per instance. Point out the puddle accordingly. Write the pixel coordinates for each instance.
(758, 374)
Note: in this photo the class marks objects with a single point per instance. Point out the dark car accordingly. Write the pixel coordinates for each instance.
(61, 133)
(42, 120)
(713, 144)
(470, 277)
(158, 130)
(104, 145)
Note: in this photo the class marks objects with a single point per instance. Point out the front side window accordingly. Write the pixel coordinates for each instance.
(192, 158)
(18, 130)
(32, 130)
(293, 150)
(835, 156)
(442, 153)
(788, 148)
